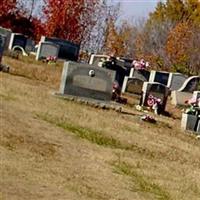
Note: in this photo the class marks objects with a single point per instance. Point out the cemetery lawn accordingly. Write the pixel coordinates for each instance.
(52, 148)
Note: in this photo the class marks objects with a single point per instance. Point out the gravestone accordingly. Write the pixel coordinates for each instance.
(190, 85)
(198, 128)
(156, 90)
(132, 85)
(188, 122)
(67, 51)
(118, 67)
(140, 74)
(7, 33)
(46, 49)
(185, 93)
(2, 45)
(88, 81)
(196, 95)
(30, 46)
(96, 59)
(17, 39)
(159, 77)
(176, 80)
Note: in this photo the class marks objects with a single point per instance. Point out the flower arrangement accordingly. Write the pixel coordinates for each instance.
(140, 65)
(194, 106)
(154, 103)
(51, 59)
(148, 118)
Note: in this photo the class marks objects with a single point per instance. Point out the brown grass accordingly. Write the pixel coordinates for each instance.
(57, 149)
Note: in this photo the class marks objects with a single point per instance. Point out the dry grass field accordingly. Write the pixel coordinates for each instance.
(55, 149)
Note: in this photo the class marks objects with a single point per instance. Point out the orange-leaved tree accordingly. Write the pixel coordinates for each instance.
(69, 19)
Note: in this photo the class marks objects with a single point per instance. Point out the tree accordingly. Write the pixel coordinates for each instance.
(69, 19)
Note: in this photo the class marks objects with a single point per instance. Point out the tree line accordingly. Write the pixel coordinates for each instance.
(169, 38)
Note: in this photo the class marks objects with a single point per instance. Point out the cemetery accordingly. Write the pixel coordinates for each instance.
(95, 110)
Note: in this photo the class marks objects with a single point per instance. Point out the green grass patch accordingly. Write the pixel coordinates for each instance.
(8, 97)
(141, 183)
(85, 133)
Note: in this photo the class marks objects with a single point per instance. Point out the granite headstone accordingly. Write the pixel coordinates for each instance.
(88, 81)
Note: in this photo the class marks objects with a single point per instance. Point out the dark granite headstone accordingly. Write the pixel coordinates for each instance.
(159, 77)
(140, 74)
(68, 50)
(17, 39)
(157, 90)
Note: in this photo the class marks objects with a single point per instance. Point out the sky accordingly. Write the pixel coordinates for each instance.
(137, 9)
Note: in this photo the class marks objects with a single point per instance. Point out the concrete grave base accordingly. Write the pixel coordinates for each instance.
(179, 98)
(108, 105)
(188, 122)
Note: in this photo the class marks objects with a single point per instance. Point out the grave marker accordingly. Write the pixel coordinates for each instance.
(67, 51)
(140, 74)
(17, 39)
(2, 45)
(176, 80)
(46, 49)
(96, 59)
(159, 77)
(84, 80)
(132, 85)
(7, 33)
(156, 90)
(185, 93)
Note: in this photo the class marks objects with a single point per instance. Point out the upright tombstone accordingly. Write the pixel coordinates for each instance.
(96, 59)
(156, 90)
(132, 85)
(159, 77)
(196, 95)
(88, 81)
(2, 45)
(140, 74)
(68, 50)
(30, 46)
(17, 39)
(188, 122)
(7, 33)
(176, 80)
(185, 93)
(46, 49)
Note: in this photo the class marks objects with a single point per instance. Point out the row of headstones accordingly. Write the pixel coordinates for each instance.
(144, 82)
(154, 83)
(189, 121)
(55, 47)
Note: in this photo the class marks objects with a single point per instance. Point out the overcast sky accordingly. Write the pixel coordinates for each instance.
(136, 8)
